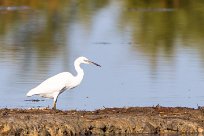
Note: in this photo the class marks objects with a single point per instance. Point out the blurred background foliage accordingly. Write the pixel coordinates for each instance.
(155, 25)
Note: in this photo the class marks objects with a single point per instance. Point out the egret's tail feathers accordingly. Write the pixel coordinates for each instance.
(30, 93)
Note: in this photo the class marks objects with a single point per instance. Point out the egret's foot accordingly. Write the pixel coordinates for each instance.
(54, 108)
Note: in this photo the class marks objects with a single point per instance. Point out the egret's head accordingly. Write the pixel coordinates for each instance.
(87, 61)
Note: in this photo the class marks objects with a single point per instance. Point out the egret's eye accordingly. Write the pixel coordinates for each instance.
(86, 60)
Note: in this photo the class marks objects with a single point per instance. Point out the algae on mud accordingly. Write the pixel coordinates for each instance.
(154, 120)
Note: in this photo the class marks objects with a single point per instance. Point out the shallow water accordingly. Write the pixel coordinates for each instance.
(151, 52)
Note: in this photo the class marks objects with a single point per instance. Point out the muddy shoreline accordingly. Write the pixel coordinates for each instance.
(133, 120)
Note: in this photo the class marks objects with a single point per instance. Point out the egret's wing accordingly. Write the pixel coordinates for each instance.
(53, 84)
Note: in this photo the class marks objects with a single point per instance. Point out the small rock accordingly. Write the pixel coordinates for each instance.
(200, 130)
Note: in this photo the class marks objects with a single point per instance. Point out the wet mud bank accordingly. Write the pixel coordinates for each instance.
(145, 120)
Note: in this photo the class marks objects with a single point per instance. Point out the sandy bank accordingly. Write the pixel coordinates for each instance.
(155, 120)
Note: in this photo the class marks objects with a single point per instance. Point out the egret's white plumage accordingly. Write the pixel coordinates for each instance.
(53, 86)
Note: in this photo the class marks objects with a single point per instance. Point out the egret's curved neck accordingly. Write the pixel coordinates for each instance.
(79, 70)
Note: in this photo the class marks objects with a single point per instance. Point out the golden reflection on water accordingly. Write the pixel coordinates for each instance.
(152, 27)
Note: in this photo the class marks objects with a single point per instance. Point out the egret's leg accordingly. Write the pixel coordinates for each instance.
(54, 105)
(55, 102)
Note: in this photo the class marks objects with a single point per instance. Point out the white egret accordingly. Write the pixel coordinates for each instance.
(54, 86)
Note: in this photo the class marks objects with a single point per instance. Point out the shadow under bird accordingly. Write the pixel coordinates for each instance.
(54, 86)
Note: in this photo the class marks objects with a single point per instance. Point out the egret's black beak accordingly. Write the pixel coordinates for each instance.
(94, 63)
